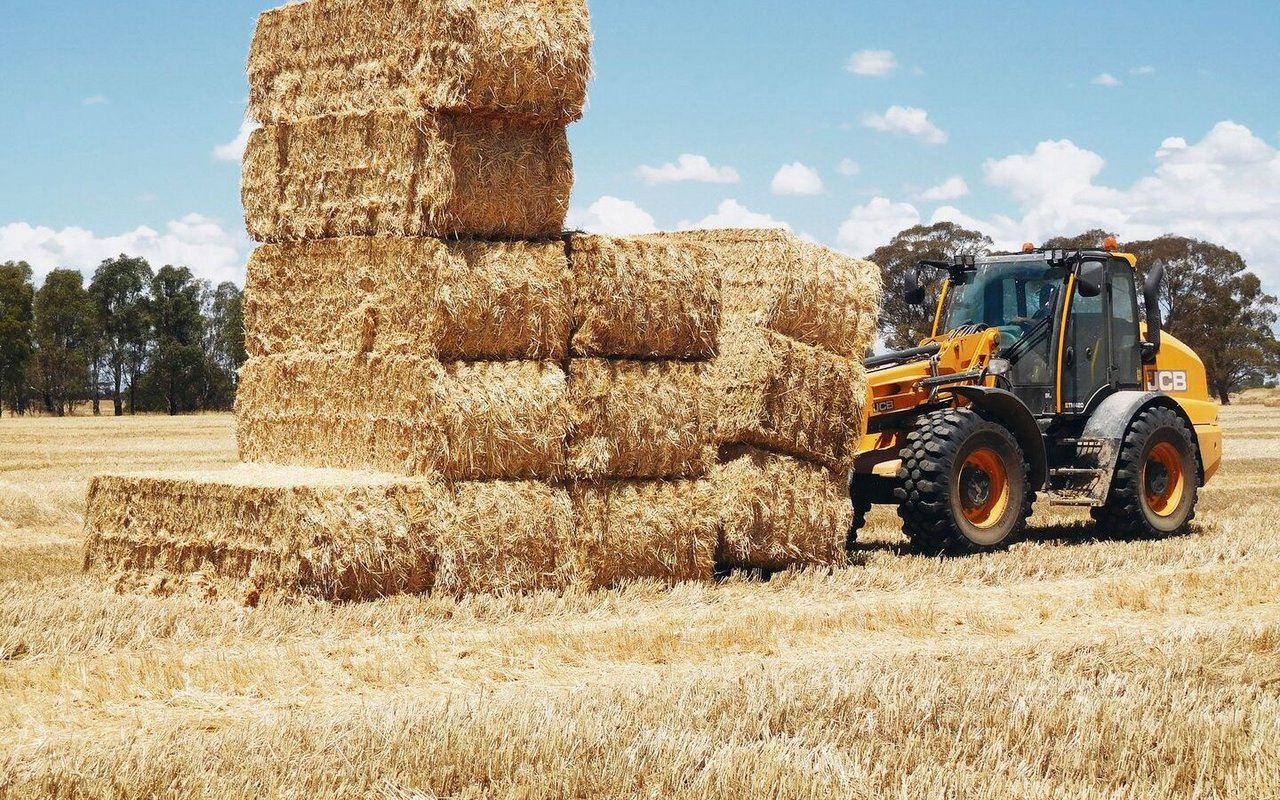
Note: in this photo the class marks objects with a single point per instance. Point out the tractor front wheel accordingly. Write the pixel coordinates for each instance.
(1153, 494)
(964, 484)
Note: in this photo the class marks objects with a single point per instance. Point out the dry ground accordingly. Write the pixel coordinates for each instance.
(1065, 668)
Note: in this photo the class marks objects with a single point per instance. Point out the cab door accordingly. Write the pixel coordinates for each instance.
(1101, 350)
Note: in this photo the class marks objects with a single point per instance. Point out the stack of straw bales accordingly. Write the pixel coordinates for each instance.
(446, 393)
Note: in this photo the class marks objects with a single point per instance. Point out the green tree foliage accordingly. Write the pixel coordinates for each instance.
(64, 327)
(1089, 240)
(17, 317)
(1211, 301)
(904, 325)
(177, 358)
(120, 289)
(224, 346)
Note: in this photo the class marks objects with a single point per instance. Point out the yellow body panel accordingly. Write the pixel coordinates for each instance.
(1179, 373)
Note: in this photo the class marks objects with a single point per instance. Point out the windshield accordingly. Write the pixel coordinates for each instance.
(1012, 296)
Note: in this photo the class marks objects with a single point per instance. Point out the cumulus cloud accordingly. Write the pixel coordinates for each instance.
(234, 149)
(907, 121)
(689, 168)
(1106, 79)
(949, 189)
(194, 241)
(849, 168)
(872, 63)
(612, 216)
(732, 214)
(797, 179)
(874, 224)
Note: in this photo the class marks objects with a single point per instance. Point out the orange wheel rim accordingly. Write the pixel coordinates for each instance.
(1164, 481)
(984, 488)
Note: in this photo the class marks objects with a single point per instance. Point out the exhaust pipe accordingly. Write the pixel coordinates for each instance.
(1151, 294)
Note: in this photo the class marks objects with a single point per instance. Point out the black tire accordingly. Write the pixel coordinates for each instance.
(940, 482)
(1134, 508)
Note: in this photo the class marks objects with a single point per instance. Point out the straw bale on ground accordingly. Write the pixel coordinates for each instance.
(422, 297)
(779, 394)
(776, 512)
(644, 298)
(406, 415)
(639, 419)
(523, 57)
(405, 174)
(254, 531)
(802, 290)
(642, 530)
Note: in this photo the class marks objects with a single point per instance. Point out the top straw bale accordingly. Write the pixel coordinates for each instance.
(777, 280)
(528, 58)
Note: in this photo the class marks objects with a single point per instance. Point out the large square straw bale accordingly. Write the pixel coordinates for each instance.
(779, 394)
(402, 174)
(642, 530)
(644, 298)
(405, 415)
(777, 280)
(520, 57)
(255, 531)
(777, 512)
(421, 297)
(640, 419)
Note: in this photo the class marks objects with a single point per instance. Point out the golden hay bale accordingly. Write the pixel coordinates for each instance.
(525, 57)
(642, 530)
(803, 290)
(779, 394)
(638, 298)
(776, 512)
(406, 415)
(423, 297)
(254, 531)
(639, 419)
(504, 537)
(407, 175)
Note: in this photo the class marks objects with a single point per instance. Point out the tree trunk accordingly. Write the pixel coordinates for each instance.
(173, 396)
(116, 400)
(1224, 397)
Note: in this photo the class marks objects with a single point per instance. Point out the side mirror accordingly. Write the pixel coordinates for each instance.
(914, 294)
(1089, 278)
(1151, 298)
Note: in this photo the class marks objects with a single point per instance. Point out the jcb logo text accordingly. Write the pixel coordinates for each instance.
(1166, 381)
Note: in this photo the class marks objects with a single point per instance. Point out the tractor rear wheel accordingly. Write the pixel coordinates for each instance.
(1153, 494)
(964, 484)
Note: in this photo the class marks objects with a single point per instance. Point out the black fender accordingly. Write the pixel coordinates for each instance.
(1005, 408)
(1110, 421)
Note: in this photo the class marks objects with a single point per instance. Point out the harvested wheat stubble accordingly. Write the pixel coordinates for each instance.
(644, 298)
(521, 57)
(253, 531)
(406, 174)
(776, 512)
(405, 415)
(422, 297)
(640, 419)
(782, 395)
(803, 290)
(642, 530)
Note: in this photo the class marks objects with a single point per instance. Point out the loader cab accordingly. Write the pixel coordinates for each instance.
(1067, 321)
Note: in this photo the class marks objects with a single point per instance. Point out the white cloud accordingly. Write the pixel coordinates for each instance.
(874, 224)
(849, 168)
(907, 121)
(1145, 69)
(1106, 79)
(874, 63)
(732, 214)
(689, 168)
(193, 241)
(949, 189)
(1170, 146)
(234, 149)
(797, 179)
(612, 217)
(95, 100)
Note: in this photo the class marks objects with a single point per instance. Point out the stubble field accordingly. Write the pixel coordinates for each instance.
(1066, 667)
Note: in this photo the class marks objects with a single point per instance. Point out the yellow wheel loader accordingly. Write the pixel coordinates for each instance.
(1039, 378)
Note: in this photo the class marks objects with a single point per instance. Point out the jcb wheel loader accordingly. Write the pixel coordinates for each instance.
(1039, 378)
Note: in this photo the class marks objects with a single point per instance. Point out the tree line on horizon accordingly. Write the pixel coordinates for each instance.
(131, 340)
(1209, 300)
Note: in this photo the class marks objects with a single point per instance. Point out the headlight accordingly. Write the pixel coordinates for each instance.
(999, 366)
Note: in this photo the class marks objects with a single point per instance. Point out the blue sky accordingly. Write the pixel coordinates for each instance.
(1145, 117)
